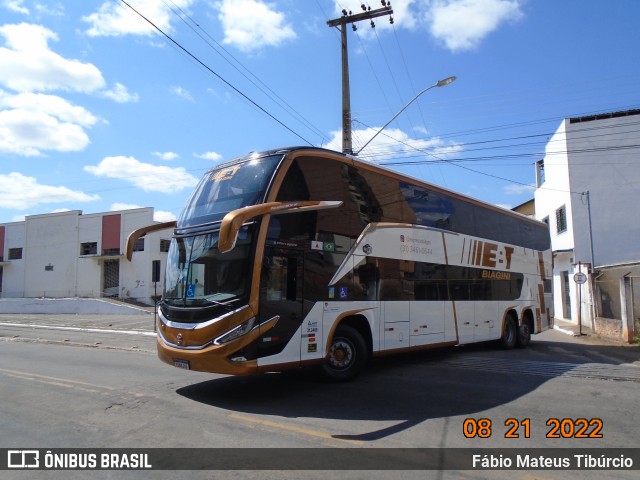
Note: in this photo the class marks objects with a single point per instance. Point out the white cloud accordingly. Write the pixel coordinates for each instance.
(51, 105)
(16, 6)
(115, 18)
(31, 123)
(519, 189)
(123, 206)
(158, 215)
(209, 156)
(120, 94)
(182, 92)
(252, 24)
(21, 192)
(53, 10)
(463, 24)
(168, 156)
(161, 216)
(146, 176)
(393, 143)
(27, 64)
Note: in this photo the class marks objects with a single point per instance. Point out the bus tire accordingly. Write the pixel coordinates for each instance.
(348, 354)
(509, 333)
(524, 335)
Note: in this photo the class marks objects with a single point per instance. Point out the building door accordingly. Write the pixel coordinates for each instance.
(110, 278)
(566, 295)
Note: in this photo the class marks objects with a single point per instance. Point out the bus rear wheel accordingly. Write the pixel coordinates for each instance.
(509, 333)
(347, 355)
(524, 335)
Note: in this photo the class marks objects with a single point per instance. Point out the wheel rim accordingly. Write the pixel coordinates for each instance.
(341, 354)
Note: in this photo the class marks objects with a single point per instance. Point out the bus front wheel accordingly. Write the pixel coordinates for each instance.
(347, 354)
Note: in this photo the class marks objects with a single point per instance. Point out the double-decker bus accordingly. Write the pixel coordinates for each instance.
(303, 256)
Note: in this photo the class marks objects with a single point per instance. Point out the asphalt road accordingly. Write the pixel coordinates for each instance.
(101, 386)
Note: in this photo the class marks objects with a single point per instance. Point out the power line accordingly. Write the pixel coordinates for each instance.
(241, 69)
(210, 70)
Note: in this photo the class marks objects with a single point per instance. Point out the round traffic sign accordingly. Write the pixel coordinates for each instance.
(580, 278)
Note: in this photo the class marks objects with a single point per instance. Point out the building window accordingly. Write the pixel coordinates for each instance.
(15, 253)
(139, 246)
(164, 245)
(89, 248)
(539, 172)
(111, 251)
(561, 219)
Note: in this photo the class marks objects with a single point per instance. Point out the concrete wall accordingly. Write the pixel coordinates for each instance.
(51, 256)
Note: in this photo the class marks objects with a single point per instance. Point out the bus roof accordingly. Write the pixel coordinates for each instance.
(372, 166)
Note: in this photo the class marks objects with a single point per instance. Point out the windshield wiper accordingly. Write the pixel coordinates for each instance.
(225, 305)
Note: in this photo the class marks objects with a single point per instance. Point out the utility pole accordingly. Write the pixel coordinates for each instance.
(348, 17)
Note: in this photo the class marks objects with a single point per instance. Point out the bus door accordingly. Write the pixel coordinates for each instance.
(281, 295)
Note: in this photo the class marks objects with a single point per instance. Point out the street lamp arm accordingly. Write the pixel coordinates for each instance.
(440, 83)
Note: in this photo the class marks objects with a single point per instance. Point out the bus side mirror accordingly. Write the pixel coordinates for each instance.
(233, 221)
(136, 234)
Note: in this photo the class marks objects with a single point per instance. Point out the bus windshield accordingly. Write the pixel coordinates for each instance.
(198, 275)
(228, 187)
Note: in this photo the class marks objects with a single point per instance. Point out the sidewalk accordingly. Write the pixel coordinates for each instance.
(570, 328)
(585, 333)
(117, 322)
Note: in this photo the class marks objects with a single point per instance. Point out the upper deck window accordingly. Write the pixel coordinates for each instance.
(228, 187)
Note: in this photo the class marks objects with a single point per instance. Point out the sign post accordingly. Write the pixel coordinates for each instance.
(580, 278)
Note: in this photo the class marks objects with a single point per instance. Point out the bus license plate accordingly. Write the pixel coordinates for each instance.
(184, 364)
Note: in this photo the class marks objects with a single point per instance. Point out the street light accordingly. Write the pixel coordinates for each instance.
(440, 83)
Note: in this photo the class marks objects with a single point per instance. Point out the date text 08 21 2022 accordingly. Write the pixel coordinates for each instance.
(515, 428)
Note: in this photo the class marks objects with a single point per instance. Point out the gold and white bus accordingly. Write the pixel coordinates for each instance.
(304, 256)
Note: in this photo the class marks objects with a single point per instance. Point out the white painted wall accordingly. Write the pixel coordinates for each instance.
(555, 191)
(13, 270)
(611, 174)
(51, 240)
(581, 157)
(55, 239)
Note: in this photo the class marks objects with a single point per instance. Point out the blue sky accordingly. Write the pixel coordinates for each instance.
(99, 111)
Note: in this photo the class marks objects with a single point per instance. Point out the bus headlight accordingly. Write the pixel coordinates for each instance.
(236, 332)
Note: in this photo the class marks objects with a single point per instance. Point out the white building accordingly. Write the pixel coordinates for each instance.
(587, 186)
(69, 254)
